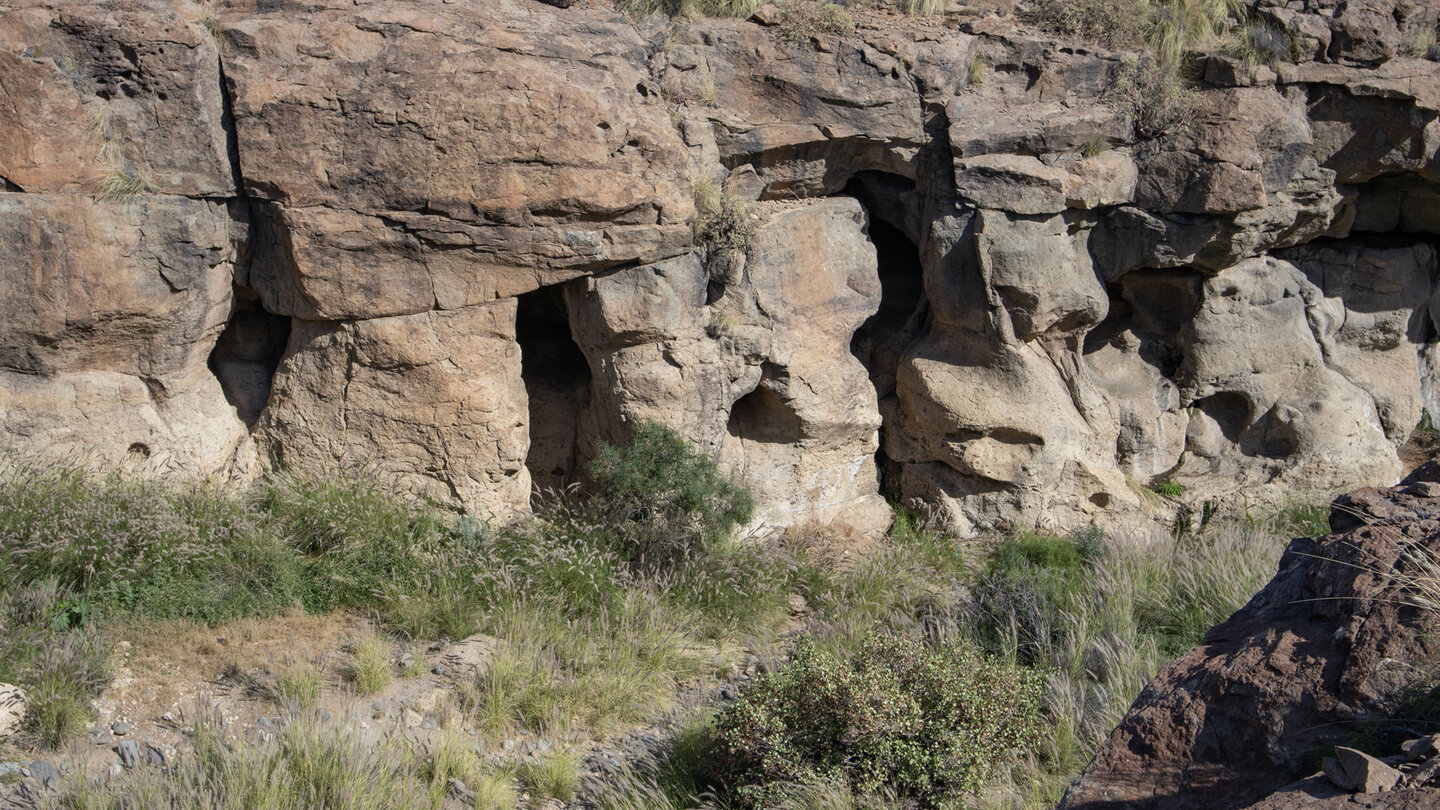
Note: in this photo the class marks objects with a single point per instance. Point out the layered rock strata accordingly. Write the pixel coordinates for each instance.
(452, 243)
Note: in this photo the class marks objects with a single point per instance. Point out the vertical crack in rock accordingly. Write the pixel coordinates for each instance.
(557, 383)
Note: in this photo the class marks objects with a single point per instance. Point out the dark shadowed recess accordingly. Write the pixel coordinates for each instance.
(247, 354)
(557, 382)
(894, 213)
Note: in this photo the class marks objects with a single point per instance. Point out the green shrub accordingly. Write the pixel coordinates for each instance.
(900, 716)
(1258, 43)
(665, 500)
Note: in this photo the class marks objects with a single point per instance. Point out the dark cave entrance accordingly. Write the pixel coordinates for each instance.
(248, 353)
(894, 213)
(557, 383)
(763, 415)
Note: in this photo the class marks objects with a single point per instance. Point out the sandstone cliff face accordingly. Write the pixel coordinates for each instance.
(451, 243)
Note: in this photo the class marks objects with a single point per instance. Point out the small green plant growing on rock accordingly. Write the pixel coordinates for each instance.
(898, 716)
(722, 222)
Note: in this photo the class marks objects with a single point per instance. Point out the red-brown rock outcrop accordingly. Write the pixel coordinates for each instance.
(1335, 637)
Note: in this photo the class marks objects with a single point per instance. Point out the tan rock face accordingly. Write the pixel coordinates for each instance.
(452, 243)
(804, 439)
(425, 156)
(107, 92)
(433, 401)
(111, 312)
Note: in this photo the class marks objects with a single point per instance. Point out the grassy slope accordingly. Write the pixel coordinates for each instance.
(599, 638)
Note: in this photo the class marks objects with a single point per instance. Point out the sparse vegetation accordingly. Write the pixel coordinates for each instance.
(369, 669)
(1158, 101)
(801, 20)
(1259, 43)
(556, 776)
(722, 222)
(604, 608)
(1425, 44)
(1112, 23)
(922, 8)
(680, 8)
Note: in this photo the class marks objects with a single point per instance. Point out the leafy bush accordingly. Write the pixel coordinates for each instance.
(664, 500)
(898, 715)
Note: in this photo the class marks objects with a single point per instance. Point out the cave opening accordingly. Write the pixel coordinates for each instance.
(248, 353)
(557, 382)
(763, 415)
(893, 210)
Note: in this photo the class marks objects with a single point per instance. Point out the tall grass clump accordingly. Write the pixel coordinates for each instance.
(922, 8)
(133, 544)
(1259, 43)
(1424, 45)
(49, 646)
(1103, 619)
(900, 716)
(306, 765)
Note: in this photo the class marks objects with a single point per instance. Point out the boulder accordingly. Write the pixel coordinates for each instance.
(1332, 638)
(433, 402)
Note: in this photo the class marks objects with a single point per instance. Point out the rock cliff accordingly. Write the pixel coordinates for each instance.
(453, 243)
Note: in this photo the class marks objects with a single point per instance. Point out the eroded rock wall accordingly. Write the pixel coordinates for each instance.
(452, 243)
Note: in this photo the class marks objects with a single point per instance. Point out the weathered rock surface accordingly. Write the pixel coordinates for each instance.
(433, 401)
(453, 243)
(12, 709)
(1333, 638)
(428, 156)
(110, 313)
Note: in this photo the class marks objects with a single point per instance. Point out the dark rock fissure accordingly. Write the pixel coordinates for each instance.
(247, 354)
(557, 384)
(880, 342)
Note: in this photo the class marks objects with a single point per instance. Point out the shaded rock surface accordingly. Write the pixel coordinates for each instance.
(453, 243)
(1334, 638)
